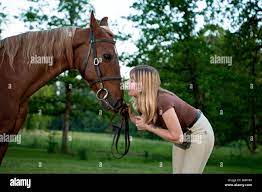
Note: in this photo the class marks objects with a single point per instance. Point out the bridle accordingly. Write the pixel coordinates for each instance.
(96, 62)
(100, 79)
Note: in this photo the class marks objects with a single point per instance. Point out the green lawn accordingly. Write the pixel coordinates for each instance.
(89, 150)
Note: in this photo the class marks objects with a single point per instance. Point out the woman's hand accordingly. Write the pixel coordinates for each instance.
(140, 123)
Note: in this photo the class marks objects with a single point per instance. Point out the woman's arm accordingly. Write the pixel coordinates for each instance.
(174, 132)
(165, 134)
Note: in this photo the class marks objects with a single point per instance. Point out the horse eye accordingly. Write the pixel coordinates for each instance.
(108, 57)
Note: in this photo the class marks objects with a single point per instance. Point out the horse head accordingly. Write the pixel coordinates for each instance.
(96, 58)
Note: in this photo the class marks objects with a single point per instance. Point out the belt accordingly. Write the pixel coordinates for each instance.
(198, 114)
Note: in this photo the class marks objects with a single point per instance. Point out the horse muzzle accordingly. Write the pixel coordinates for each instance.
(111, 105)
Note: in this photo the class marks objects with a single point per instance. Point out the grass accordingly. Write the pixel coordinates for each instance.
(57, 163)
(88, 150)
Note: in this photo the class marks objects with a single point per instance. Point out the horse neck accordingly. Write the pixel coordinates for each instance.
(40, 75)
(61, 63)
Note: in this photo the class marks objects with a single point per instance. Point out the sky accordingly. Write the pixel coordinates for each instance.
(113, 9)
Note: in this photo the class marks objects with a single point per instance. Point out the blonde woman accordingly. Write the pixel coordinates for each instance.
(166, 115)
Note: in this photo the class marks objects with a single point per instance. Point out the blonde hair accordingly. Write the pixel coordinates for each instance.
(146, 100)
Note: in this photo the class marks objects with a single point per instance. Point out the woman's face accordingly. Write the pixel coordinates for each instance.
(132, 87)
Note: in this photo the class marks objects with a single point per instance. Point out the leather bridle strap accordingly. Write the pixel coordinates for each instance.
(92, 48)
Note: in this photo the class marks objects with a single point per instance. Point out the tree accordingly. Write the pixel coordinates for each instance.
(168, 43)
(71, 9)
(247, 46)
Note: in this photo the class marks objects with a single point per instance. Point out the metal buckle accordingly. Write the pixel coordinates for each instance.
(100, 90)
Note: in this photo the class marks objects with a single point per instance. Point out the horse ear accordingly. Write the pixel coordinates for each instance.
(93, 23)
(104, 22)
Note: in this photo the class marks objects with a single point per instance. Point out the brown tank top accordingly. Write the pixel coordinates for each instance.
(186, 113)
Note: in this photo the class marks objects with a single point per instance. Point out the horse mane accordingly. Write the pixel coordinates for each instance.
(55, 43)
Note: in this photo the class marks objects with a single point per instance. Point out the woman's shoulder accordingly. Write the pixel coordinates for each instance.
(165, 101)
(166, 95)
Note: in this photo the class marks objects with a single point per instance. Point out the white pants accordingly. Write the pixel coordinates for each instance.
(194, 159)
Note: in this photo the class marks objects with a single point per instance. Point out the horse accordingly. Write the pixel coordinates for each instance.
(89, 50)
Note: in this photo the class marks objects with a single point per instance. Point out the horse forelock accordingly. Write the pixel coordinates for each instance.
(54, 43)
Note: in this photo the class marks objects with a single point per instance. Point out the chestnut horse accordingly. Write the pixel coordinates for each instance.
(91, 51)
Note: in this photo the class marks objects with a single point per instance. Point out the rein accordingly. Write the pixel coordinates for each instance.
(117, 132)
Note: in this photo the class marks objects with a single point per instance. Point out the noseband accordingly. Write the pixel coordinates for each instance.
(100, 79)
